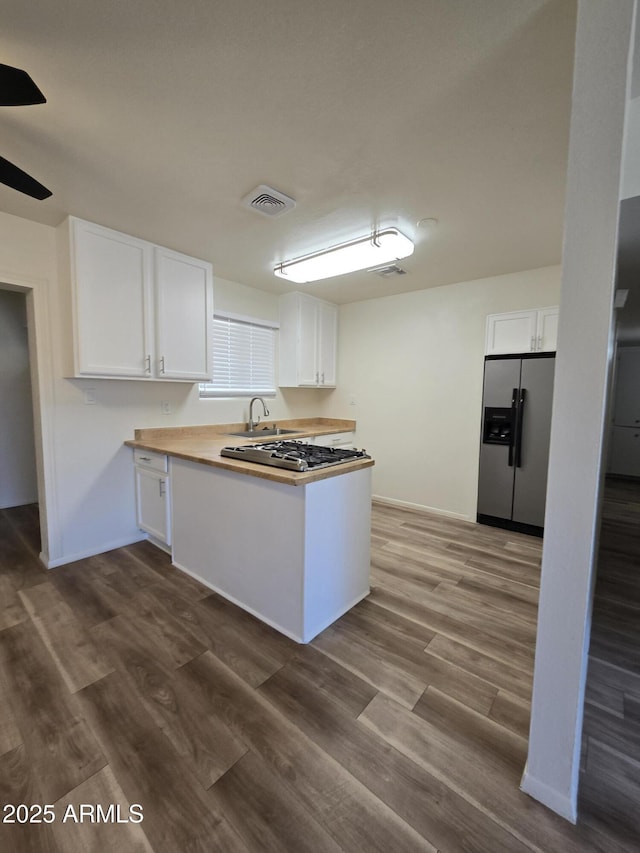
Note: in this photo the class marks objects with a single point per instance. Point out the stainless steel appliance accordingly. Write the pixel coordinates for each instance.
(514, 449)
(294, 455)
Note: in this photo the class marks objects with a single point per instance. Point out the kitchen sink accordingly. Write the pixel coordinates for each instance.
(259, 433)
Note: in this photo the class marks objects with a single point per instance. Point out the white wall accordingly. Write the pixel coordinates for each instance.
(413, 363)
(580, 397)
(89, 472)
(18, 483)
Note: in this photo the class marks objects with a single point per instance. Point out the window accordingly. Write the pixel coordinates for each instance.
(243, 357)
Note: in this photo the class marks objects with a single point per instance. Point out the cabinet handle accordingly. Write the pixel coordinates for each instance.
(533, 343)
(323, 377)
(161, 483)
(145, 459)
(539, 342)
(317, 378)
(148, 364)
(162, 365)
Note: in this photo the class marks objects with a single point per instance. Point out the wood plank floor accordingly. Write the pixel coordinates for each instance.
(402, 727)
(610, 775)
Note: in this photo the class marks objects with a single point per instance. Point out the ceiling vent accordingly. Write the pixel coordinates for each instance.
(268, 202)
(388, 270)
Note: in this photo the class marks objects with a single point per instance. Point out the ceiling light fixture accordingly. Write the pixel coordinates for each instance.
(376, 249)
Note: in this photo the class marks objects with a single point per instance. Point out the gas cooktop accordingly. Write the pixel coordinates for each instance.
(294, 455)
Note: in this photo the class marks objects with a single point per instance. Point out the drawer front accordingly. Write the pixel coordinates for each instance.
(339, 439)
(149, 459)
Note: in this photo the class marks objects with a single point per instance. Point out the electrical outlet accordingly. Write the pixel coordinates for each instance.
(90, 397)
(165, 407)
(352, 400)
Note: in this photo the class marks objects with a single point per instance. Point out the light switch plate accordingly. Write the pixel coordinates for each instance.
(90, 397)
(165, 407)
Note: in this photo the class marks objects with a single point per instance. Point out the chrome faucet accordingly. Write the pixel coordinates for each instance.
(253, 424)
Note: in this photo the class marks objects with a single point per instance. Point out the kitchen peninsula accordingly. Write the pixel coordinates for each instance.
(290, 547)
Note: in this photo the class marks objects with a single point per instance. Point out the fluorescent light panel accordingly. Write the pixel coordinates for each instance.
(378, 248)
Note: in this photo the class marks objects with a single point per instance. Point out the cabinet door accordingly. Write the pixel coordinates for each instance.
(153, 509)
(627, 394)
(184, 316)
(624, 452)
(547, 330)
(111, 276)
(511, 333)
(307, 349)
(327, 343)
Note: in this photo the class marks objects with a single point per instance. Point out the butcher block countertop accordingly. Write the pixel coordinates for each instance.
(203, 444)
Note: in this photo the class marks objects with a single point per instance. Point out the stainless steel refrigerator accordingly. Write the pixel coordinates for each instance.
(514, 449)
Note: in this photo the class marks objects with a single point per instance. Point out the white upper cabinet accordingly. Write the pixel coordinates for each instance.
(327, 343)
(522, 331)
(111, 282)
(547, 329)
(301, 325)
(184, 315)
(139, 311)
(308, 341)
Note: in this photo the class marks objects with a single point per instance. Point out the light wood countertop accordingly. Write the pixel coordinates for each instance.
(202, 444)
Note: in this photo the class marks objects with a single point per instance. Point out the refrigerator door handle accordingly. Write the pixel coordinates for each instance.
(514, 415)
(520, 419)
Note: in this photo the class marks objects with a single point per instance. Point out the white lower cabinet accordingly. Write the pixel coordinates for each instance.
(624, 445)
(626, 406)
(624, 452)
(287, 572)
(153, 499)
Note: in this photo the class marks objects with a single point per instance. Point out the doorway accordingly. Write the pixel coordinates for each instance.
(610, 772)
(26, 391)
(18, 477)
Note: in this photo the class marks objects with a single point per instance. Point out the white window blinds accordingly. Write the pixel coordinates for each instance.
(243, 357)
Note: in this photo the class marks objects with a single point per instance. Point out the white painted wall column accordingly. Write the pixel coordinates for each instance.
(602, 69)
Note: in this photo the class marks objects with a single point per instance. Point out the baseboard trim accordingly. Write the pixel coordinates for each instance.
(420, 507)
(82, 555)
(565, 806)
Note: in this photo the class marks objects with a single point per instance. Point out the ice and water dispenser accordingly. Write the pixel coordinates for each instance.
(498, 425)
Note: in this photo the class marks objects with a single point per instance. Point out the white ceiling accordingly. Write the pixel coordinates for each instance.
(163, 114)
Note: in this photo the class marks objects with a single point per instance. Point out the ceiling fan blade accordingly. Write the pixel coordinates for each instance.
(15, 178)
(17, 88)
